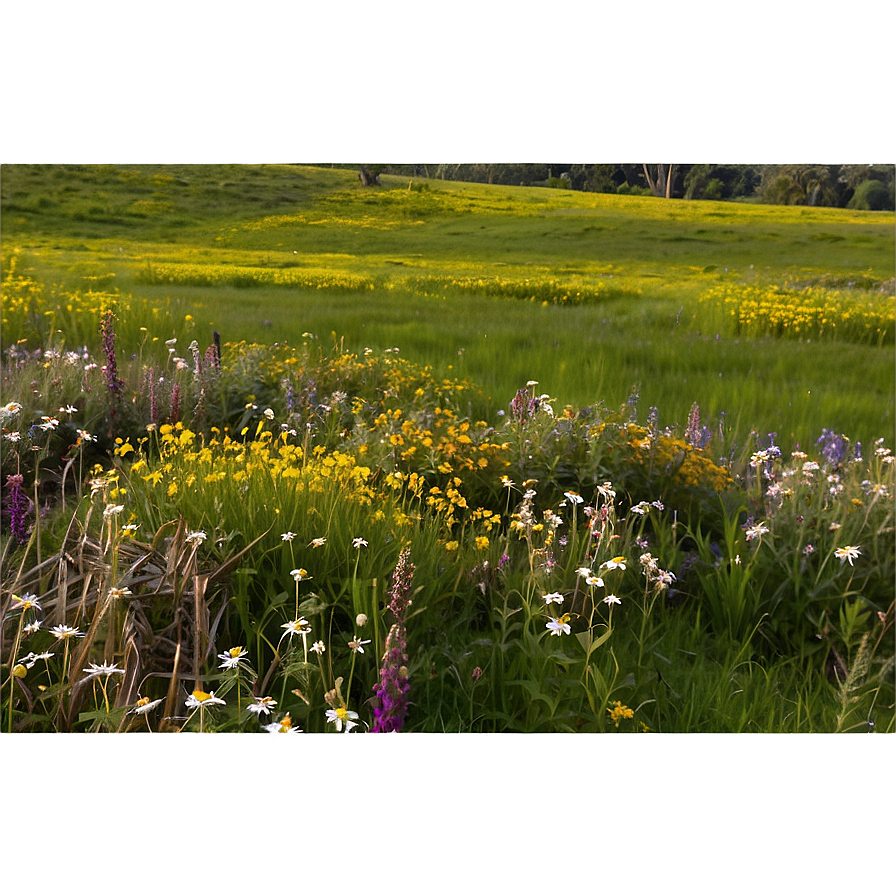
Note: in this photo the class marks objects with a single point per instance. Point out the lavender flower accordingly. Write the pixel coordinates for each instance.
(17, 505)
(833, 446)
(391, 705)
(113, 382)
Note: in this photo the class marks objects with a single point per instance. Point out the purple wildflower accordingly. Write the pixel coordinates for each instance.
(833, 446)
(113, 382)
(524, 405)
(175, 403)
(211, 357)
(17, 505)
(695, 435)
(391, 705)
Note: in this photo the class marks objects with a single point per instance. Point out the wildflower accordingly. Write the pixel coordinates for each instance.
(269, 413)
(575, 497)
(130, 529)
(196, 537)
(481, 542)
(614, 563)
(476, 674)
(808, 549)
(318, 647)
(612, 599)
(26, 602)
(201, 698)
(664, 578)
(555, 597)
(30, 659)
(10, 410)
(145, 705)
(114, 383)
(756, 531)
(232, 657)
(619, 711)
(641, 508)
(361, 620)
(49, 424)
(583, 572)
(299, 626)
(833, 527)
(32, 627)
(262, 706)
(594, 581)
(112, 510)
(391, 705)
(69, 409)
(507, 483)
(849, 552)
(359, 543)
(64, 632)
(342, 716)
(106, 669)
(12, 436)
(558, 626)
(357, 645)
(299, 574)
(284, 726)
(287, 536)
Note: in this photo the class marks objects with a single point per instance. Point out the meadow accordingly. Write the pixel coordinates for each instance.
(284, 453)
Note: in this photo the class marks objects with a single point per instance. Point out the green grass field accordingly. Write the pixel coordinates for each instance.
(591, 295)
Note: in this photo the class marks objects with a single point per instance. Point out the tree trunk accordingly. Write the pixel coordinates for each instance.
(661, 185)
(368, 179)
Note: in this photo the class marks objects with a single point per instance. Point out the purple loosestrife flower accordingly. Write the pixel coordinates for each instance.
(524, 405)
(17, 506)
(695, 435)
(391, 704)
(113, 382)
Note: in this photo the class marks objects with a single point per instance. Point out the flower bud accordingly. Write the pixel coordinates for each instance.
(361, 620)
(19, 671)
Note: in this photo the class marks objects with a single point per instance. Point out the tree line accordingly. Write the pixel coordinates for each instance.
(843, 186)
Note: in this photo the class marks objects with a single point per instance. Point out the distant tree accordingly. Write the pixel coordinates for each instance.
(798, 185)
(660, 179)
(871, 195)
(720, 181)
(369, 175)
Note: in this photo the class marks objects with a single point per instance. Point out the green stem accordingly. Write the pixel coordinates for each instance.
(12, 664)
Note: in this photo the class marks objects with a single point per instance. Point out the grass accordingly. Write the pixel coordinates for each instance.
(448, 264)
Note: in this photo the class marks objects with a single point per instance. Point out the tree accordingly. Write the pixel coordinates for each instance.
(660, 179)
(369, 175)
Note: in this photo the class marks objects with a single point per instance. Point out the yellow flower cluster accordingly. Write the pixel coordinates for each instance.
(809, 313)
(688, 467)
(30, 311)
(186, 463)
(368, 222)
(546, 290)
(245, 275)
